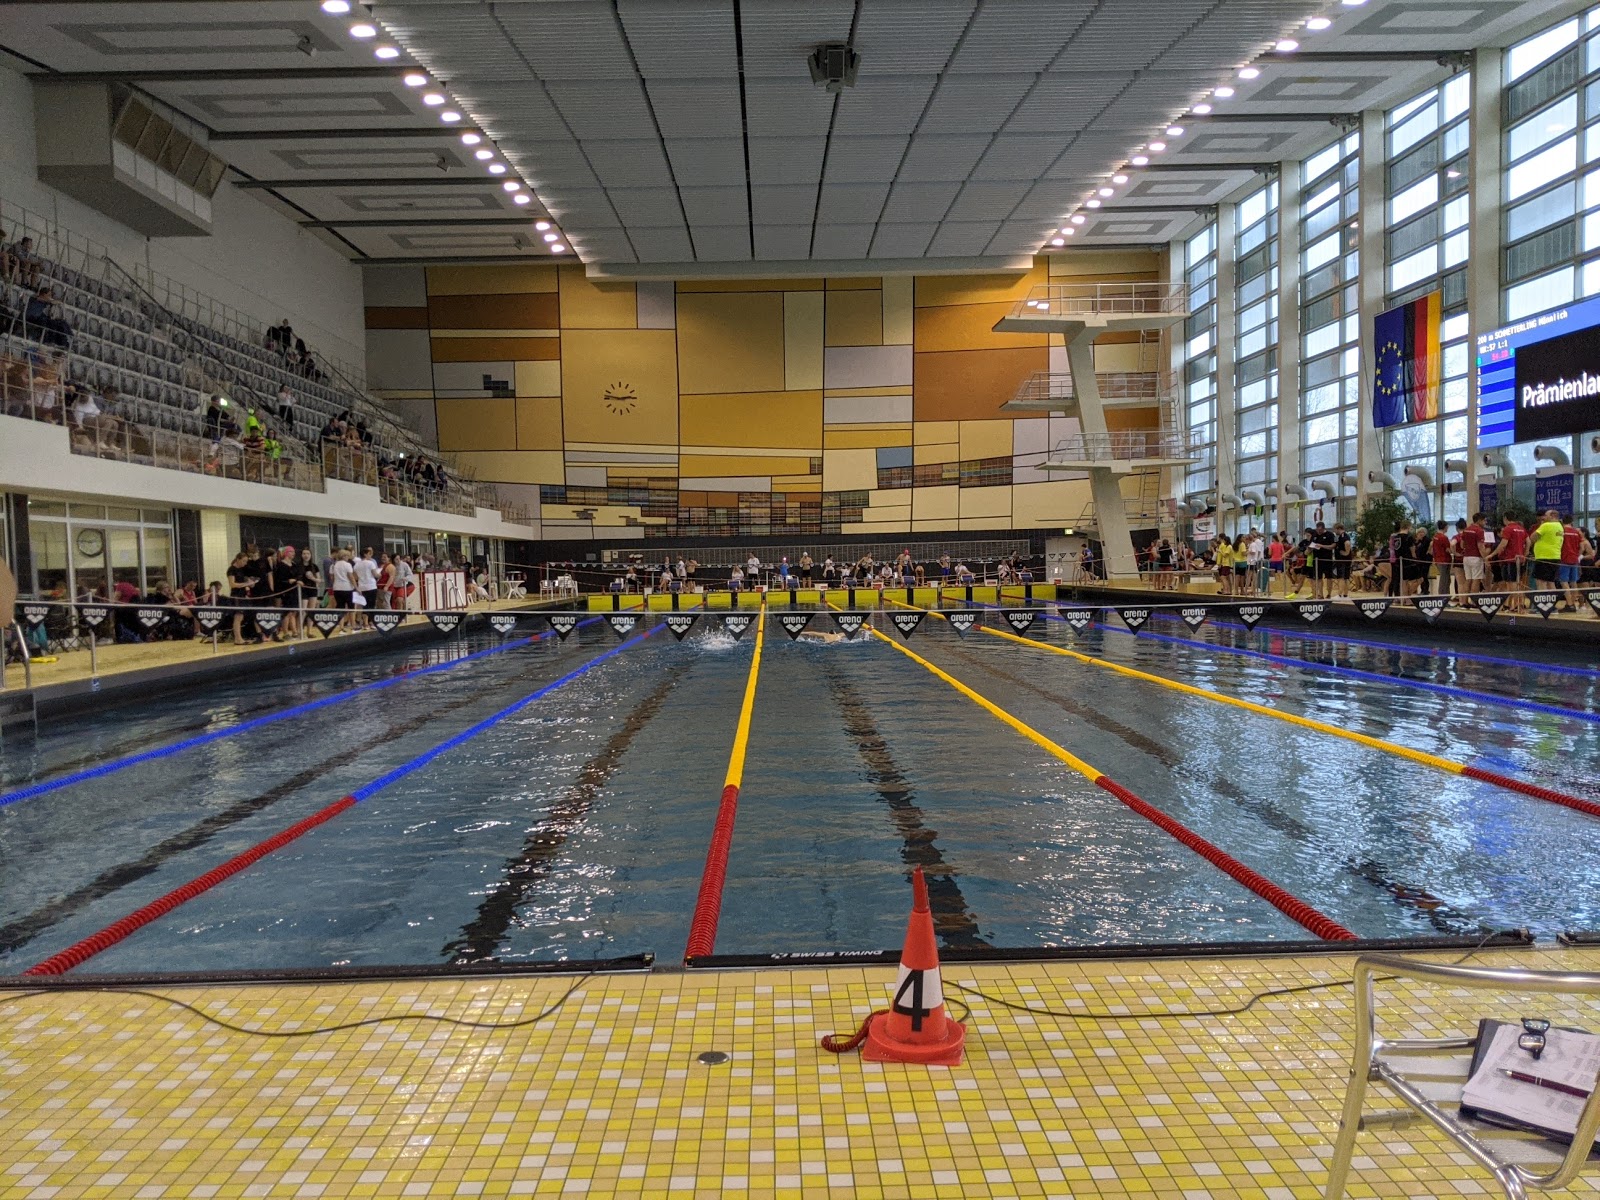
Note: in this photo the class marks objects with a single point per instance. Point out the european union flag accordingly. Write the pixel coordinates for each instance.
(1389, 402)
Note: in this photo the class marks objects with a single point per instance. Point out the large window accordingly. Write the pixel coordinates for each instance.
(1200, 356)
(1255, 442)
(82, 551)
(1425, 244)
(1330, 310)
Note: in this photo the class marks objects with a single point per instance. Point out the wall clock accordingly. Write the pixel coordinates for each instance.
(620, 398)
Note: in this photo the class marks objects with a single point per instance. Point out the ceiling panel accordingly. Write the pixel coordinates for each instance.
(973, 128)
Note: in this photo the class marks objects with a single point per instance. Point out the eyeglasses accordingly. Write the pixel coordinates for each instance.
(1532, 1037)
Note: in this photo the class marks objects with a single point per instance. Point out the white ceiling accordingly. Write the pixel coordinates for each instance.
(683, 137)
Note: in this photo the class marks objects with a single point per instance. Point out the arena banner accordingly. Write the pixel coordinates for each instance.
(562, 624)
(737, 623)
(849, 623)
(1134, 618)
(964, 621)
(681, 623)
(1079, 619)
(794, 623)
(502, 622)
(622, 624)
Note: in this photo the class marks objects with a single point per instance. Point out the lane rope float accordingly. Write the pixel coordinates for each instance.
(1536, 791)
(708, 904)
(1291, 906)
(85, 949)
(101, 770)
(1422, 685)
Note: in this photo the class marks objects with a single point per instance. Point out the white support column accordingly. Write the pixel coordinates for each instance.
(1483, 236)
(1288, 333)
(1374, 273)
(1105, 484)
(1227, 333)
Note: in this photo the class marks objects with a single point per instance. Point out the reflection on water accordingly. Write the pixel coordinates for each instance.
(577, 829)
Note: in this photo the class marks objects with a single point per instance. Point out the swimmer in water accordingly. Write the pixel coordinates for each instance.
(820, 636)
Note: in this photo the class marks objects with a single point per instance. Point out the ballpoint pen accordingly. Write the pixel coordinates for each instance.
(1563, 1088)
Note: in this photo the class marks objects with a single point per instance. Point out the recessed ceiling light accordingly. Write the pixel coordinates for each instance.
(386, 52)
(1058, 241)
(1201, 110)
(541, 226)
(511, 185)
(1108, 191)
(337, 7)
(363, 30)
(1452, 173)
(415, 79)
(1140, 160)
(1250, 73)
(1223, 93)
(470, 139)
(552, 237)
(1174, 130)
(1354, 3)
(497, 168)
(1077, 219)
(1318, 24)
(482, 153)
(1158, 147)
(449, 116)
(1287, 46)
(1091, 204)
(433, 99)
(1069, 232)
(520, 198)
(1119, 179)
(557, 248)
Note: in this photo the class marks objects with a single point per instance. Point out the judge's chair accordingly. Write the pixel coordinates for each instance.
(1428, 1075)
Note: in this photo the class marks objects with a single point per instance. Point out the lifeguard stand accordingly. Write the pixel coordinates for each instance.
(1082, 313)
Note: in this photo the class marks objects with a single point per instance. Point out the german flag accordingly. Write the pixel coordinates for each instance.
(1406, 387)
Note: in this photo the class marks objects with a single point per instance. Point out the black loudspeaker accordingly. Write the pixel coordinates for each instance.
(833, 66)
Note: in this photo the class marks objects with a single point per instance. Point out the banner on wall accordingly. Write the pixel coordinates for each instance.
(1406, 387)
(1488, 497)
(1553, 487)
(1205, 529)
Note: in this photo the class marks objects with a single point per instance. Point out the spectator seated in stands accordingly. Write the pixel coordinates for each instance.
(280, 337)
(285, 405)
(40, 398)
(43, 321)
(20, 264)
(216, 419)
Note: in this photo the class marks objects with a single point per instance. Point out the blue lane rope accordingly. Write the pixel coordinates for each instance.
(1356, 673)
(101, 770)
(472, 731)
(1429, 651)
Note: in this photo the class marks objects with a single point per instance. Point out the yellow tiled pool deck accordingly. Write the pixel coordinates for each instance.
(107, 1095)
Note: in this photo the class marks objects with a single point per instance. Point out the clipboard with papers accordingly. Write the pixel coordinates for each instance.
(1568, 1067)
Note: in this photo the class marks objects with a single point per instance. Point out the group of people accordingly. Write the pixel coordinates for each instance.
(680, 575)
(1483, 555)
(296, 358)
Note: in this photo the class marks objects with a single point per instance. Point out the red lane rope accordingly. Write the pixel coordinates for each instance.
(1323, 926)
(708, 906)
(72, 956)
(1533, 789)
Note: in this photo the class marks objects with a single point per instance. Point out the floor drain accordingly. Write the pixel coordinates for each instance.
(712, 1057)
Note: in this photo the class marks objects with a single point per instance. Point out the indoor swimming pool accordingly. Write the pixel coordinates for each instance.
(521, 798)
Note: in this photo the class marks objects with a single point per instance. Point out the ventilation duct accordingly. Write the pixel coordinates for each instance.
(125, 155)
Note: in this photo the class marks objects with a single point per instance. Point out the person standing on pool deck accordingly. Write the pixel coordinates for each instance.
(752, 569)
(1321, 549)
(1469, 542)
(1508, 559)
(1547, 539)
(736, 580)
(805, 568)
(366, 569)
(1574, 549)
(1439, 551)
(1344, 557)
(341, 586)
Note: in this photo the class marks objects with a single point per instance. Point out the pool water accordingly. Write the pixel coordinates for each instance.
(576, 827)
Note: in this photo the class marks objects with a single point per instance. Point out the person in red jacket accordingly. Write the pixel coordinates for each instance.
(1469, 544)
(1574, 548)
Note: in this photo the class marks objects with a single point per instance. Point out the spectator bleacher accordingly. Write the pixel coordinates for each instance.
(153, 371)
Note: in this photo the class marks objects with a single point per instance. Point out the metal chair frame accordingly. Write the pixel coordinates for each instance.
(1369, 1066)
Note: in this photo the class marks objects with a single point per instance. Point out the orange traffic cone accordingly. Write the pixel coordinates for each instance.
(916, 1029)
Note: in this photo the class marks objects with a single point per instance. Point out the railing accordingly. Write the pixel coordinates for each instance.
(1045, 387)
(1125, 446)
(403, 491)
(1057, 299)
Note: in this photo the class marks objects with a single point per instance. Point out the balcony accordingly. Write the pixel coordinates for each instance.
(1105, 307)
(1125, 450)
(1055, 392)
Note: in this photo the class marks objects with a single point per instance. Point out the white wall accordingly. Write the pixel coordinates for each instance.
(256, 260)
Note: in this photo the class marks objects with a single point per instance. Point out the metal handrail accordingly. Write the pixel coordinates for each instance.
(1044, 386)
(1106, 297)
(1367, 1065)
(1126, 445)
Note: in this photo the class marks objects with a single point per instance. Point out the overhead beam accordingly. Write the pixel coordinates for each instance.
(442, 180)
(221, 74)
(1456, 60)
(418, 222)
(1269, 118)
(328, 135)
(1260, 168)
(1152, 208)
